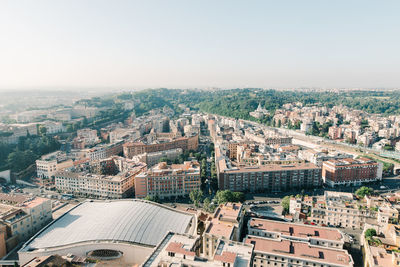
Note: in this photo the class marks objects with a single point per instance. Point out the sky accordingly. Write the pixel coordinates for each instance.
(199, 44)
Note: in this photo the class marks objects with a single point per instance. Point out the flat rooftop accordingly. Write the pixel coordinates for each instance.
(274, 167)
(13, 199)
(224, 220)
(301, 250)
(235, 253)
(380, 257)
(296, 230)
(129, 220)
(34, 202)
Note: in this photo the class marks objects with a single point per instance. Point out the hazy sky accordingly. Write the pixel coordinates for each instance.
(188, 43)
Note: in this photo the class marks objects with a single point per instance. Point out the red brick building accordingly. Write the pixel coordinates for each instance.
(137, 148)
(351, 171)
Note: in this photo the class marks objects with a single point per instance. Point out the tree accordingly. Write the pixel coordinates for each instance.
(42, 130)
(196, 196)
(153, 198)
(238, 197)
(286, 204)
(206, 204)
(364, 191)
(165, 159)
(370, 232)
(297, 125)
(203, 168)
(388, 169)
(388, 147)
(224, 196)
(315, 128)
(69, 128)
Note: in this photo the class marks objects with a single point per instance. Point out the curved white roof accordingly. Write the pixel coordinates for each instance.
(123, 220)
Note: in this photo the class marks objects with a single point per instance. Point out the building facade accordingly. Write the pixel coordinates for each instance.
(351, 171)
(137, 148)
(99, 185)
(273, 178)
(48, 165)
(287, 253)
(226, 223)
(167, 181)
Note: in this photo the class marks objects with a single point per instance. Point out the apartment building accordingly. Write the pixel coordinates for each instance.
(153, 158)
(268, 138)
(251, 155)
(89, 136)
(48, 165)
(84, 183)
(185, 143)
(12, 132)
(113, 149)
(335, 132)
(351, 171)
(314, 235)
(341, 209)
(96, 153)
(22, 216)
(119, 134)
(318, 157)
(226, 223)
(53, 127)
(272, 177)
(166, 181)
(385, 250)
(288, 253)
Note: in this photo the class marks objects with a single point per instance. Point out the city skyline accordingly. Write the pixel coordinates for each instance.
(181, 44)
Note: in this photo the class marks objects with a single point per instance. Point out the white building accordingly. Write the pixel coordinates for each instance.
(48, 165)
(127, 229)
(53, 127)
(99, 185)
(89, 136)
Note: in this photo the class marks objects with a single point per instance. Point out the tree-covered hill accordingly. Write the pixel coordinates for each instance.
(239, 102)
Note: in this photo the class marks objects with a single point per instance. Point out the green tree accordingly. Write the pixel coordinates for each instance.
(286, 204)
(165, 159)
(238, 197)
(297, 125)
(370, 232)
(388, 147)
(206, 204)
(153, 198)
(224, 196)
(364, 191)
(69, 128)
(196, 196)
(42, 130)
(203, 170)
